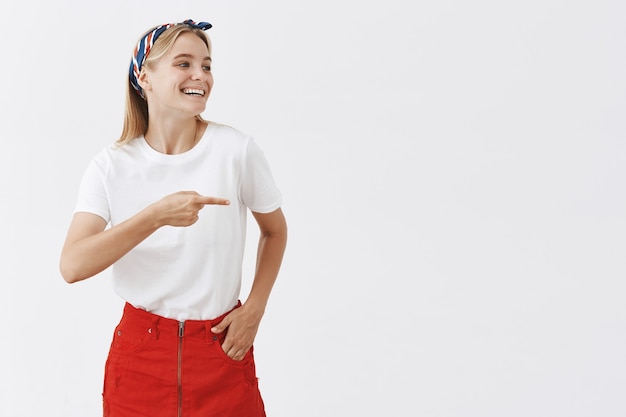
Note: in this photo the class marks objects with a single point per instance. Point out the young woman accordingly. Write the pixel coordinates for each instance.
(166, 208)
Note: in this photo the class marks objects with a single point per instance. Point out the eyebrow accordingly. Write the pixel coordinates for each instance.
(191, 56)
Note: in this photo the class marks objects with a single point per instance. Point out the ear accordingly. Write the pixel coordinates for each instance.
(144, 80)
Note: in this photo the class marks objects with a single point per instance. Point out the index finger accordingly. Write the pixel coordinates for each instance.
(203, 199)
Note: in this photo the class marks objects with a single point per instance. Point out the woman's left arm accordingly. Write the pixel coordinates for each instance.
(243, 323)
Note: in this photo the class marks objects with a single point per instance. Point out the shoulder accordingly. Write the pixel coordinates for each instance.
(115, 154)
(227, 139)
(132, 149)
(224, 132)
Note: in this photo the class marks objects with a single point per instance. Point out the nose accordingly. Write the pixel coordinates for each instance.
(198, 73)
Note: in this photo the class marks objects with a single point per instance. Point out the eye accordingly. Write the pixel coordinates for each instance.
(206, 67)
(183, 65)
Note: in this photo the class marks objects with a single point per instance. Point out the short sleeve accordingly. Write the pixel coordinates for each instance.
(92, 195)
(257, 188)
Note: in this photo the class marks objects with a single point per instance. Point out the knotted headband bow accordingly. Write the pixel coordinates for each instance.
(145, 44)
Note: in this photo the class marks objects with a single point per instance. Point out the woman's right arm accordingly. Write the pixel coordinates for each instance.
(90, 249)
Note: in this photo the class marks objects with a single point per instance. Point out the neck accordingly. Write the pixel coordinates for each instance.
(173, 137)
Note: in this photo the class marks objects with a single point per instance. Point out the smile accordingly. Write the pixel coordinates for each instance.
(193, 92)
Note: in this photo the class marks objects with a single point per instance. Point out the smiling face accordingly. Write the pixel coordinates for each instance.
(180, 81)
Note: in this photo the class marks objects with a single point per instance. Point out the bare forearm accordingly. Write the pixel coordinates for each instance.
(86, 257)
(90, 249)
(269, 258)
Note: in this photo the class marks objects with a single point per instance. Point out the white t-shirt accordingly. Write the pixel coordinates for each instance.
(185, 273)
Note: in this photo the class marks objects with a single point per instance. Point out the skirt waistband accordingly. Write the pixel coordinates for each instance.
(162, 326)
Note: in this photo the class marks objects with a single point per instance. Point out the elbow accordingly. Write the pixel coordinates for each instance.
(284, 232)
(278, 234)
(69, 273)
(68, 276)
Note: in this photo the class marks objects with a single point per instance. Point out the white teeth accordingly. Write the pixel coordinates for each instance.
(193, 91)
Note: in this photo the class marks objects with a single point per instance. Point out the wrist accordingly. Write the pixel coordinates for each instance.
(255, 307)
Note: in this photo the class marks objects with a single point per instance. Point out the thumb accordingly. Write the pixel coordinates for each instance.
(219, 328)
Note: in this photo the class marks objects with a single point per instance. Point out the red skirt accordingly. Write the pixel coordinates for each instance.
(160, 367)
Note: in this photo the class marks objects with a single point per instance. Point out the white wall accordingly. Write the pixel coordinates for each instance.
(453, 174)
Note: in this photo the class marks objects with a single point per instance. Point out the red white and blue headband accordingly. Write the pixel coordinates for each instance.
(145, 45)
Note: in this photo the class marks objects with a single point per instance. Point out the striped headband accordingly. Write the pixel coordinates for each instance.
(145, 45)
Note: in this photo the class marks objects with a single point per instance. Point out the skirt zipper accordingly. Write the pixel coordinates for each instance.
(181, 331)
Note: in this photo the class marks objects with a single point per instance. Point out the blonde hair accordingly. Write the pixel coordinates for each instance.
(136, 113)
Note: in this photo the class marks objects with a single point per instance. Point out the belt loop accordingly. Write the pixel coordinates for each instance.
(154, 329)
